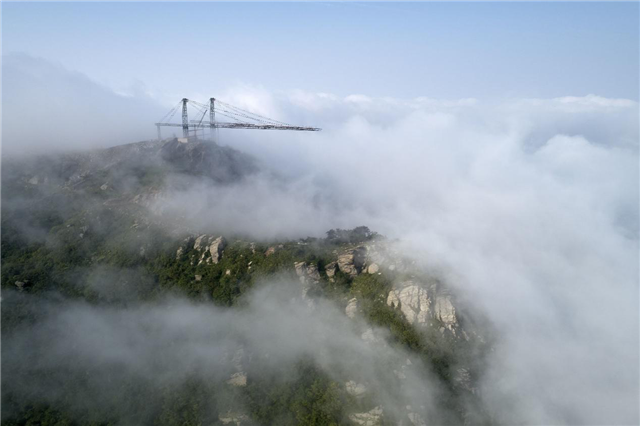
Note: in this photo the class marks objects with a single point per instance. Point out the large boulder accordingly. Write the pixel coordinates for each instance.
(330, 269)
(445, 312)
(413, 301)
(370, 418)
(352, 261)
(308, 275)
(352, 308)
(216, 248)
(231, 418)
(209, 245)
(355, 389)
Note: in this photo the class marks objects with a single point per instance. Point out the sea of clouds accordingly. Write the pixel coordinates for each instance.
(529, 205)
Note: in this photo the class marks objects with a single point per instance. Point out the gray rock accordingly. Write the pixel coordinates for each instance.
(370, 418)
(446, 312)
(355, 389)
(301, 268)
(352, 308)
(352, 261)
(208, 244)
(373, 268)
(238, 379)
(231, 418)
(198, 244)
(312, 272)
(308, 273)
(416, 419)
(331, 269)
(216, 249)
(413, 300)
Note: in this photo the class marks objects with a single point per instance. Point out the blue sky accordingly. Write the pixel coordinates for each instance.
(438, 50)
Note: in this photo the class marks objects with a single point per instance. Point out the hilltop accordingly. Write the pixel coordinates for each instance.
(81, 228)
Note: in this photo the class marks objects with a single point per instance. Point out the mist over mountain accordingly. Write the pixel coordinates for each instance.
(417, 262)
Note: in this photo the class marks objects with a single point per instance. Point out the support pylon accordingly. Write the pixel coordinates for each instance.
(212, 116)
(185, 118)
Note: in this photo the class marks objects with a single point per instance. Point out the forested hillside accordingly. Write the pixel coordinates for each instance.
(114, 312)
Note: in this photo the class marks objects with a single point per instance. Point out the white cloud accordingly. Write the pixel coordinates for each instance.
(532, 207)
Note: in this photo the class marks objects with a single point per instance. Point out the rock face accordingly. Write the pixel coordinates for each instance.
(419, 304)
(231, 418)
(330, 269)
(238, 379)
(179, 253)
(352, 308)
(355, 389)
(308, 275)
(352, 261)
(413, 301)
(373, 268)
(416, 419)
(216, 248)
(445, 312)
(370, 418)
(211, 247)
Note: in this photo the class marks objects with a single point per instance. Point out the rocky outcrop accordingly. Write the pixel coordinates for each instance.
(238, 379)
(216, 248)
(373, 268)
(445, 312)
(420, 302)
(21, 285)
(416, 419)
(330, 269)
(231, 418)
(355, 389)
(308, 275)
(210, 247)
(352, 262)
(352, 308)
(370, 418)
(413, 301)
